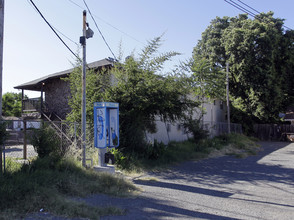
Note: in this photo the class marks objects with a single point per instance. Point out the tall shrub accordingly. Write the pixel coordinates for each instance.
(46, 142)
(145, 94)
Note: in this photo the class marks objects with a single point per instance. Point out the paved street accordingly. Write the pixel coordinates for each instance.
(256, 187)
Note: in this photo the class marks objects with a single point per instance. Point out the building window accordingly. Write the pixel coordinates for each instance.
(221, 105)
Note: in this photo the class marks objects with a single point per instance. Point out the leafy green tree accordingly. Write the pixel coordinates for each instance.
(96, 84)
(143, 92)
(206, 81)
(260, 53)
(12, 104)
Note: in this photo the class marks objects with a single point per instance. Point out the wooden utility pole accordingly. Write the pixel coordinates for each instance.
(83, 42)
(1, 49)
(228, 100)
(87, 33)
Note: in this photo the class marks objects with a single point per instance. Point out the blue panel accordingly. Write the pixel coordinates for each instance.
(100, 131)
(106, 124)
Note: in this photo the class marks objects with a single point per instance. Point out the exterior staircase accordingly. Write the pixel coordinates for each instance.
(58, 125)
(34, 107)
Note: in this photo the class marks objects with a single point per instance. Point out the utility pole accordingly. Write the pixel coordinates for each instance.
(87, 33)
(1, 49)
(228, 99)
(84, 87)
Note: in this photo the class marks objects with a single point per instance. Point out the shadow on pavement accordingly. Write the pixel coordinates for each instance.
(146, 208)
(184, 188)
(228, 169)
(213, 174)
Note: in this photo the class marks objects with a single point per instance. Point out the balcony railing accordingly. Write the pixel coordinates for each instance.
(31, 105)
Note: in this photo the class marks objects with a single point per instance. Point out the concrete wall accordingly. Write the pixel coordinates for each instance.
(215, 113)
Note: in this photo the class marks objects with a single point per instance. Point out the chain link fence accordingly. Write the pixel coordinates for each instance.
(219, 128)
(18, 144)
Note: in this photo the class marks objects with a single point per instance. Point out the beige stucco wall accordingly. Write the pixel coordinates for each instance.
(215, 112)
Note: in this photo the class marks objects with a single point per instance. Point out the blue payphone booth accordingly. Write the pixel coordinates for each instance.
(106, 124)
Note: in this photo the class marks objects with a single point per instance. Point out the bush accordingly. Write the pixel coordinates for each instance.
(122, 160)
(194, 126)
(155, 150)
(46, 142)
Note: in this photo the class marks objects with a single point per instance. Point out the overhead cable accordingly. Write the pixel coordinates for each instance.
(258, 11)
(248, 6)
(99, 30)
(234, 4)
(248, 11)
(73, 2)
(53, 29)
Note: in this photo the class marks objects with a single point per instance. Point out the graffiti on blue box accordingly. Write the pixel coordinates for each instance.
(106, 124)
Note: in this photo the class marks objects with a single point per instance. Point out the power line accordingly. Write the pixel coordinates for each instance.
(258, 11)
(248, 11)
(99, 30)
(109, 24)
(53, 29)
(248, 6)
(240, 7)
(65, 36)
(76, 4)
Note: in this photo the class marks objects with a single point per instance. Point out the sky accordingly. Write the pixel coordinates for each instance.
(32, 50)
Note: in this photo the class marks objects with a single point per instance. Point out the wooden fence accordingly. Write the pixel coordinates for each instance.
(273, 132)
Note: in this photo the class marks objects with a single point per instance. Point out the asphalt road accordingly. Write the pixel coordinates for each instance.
(256, 187)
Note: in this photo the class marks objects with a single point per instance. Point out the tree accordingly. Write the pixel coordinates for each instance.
(143, 92)
(260, 53)
(207, 81)
(96, 84)
(12, 103)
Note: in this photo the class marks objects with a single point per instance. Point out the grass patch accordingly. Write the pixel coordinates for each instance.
(239, 145)
(234, 144)
(174, 153)
(50, 184)
(151, 179)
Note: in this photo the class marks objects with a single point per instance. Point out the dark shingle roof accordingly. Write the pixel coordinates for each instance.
(35, 85)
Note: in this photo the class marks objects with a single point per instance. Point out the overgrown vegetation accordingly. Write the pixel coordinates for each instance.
(11, 104)
(232, 144)
(51, 186)
(260, 54)
(194, 127)
(144, 93)
(46, 142)
(52, 181)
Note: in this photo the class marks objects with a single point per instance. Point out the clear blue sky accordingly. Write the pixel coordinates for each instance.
(31, 50)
